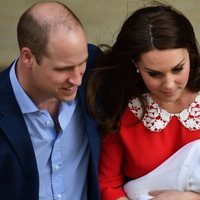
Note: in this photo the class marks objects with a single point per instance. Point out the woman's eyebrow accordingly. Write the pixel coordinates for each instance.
(177, 65)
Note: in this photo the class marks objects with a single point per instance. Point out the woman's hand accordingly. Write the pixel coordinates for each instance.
(174, 195)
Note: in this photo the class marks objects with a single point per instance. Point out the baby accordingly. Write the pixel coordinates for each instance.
(179, 172)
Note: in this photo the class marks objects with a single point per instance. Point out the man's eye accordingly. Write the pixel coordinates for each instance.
(64, 69)
(59, 70)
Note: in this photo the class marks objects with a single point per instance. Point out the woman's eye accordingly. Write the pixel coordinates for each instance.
(154, 74)
(178, 69)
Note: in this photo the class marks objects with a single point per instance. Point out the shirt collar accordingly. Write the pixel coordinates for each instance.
(25, 103)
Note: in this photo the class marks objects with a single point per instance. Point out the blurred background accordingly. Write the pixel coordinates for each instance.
(101, 19)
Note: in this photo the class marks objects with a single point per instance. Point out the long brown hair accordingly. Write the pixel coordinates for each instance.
(115, 79)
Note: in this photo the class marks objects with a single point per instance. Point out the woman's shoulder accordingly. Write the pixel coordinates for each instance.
(133, 112)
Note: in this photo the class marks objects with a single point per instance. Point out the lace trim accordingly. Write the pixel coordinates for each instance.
(156, 119)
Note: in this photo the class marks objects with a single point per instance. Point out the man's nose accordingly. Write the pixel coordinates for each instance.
(76, 76)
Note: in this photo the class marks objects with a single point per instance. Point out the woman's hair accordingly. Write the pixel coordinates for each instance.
(115, 80)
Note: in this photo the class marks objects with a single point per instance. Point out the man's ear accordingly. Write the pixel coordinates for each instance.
(27, 57)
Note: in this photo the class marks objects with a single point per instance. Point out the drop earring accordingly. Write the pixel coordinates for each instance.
(137, 70)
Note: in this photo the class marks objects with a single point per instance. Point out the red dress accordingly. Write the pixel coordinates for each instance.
(141, 146)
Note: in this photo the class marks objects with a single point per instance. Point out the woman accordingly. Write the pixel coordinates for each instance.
(145, 94)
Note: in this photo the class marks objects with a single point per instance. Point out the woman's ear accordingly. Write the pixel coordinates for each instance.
(137, 70)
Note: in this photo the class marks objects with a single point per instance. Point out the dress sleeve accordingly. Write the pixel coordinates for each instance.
(110, 168)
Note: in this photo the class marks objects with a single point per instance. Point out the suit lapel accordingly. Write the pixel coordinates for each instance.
(13, 125)
(91, 127)
(94, 148)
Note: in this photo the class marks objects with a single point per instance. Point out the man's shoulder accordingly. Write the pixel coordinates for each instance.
(93, 52)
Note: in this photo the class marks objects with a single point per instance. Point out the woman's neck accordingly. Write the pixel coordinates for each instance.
(184, 101)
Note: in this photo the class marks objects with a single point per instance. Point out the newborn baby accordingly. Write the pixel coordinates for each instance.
(179, 172)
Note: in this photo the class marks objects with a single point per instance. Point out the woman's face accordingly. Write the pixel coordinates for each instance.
(165, 73)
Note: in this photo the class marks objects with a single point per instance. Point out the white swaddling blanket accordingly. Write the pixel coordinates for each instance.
(179, 172)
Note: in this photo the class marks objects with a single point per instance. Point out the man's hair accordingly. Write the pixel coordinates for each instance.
(33, 31)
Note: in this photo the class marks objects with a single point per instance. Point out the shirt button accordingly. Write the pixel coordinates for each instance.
(39, 113)
(47, 122)
(56, 167)
(59, 196)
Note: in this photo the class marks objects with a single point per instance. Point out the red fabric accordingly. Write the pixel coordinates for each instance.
(136, 151)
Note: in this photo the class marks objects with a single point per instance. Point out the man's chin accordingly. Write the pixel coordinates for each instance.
(68, 98)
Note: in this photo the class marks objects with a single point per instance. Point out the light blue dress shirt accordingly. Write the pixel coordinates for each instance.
(62, 158)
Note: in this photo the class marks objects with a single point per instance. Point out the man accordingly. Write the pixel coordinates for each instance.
(48, 144)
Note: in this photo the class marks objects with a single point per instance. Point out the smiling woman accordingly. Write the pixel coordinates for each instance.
(166, 73)
(155, 66)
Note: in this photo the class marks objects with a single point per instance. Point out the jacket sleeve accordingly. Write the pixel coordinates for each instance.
(110, 168)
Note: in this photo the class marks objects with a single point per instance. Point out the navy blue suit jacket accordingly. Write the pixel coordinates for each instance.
(18, 169)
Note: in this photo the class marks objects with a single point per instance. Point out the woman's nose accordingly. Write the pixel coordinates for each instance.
(168, 83)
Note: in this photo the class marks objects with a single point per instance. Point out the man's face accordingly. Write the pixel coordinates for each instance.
(61, 71)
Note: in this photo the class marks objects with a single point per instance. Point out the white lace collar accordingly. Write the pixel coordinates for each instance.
(157, 119)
